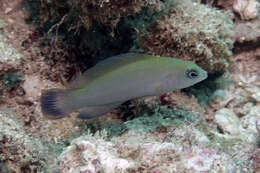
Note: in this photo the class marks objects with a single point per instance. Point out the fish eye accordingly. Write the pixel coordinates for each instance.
(192, 74)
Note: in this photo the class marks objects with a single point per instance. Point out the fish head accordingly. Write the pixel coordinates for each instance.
(188, 73)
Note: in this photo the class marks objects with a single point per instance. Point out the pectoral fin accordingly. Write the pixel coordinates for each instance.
(94, 112)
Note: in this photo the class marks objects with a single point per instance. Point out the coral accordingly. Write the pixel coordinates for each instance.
(230, 125)
(249, 122)
(228, 122)
(247, 9)
(237, 114)
(7, 52)
(184, 149)
(18, 151)
(247, 31)
(236, 136)
(203, 159)
(192, 31)
(162, 141)
(9, 58)
(207, 37)
(94, 30)
(92, 154)
(110, 12)
(154, 138)
(138, 152)
(86, 13)
(22, 49)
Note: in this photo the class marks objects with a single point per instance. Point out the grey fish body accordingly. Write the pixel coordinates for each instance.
(93, 112)
(124, 77)
(141, 81)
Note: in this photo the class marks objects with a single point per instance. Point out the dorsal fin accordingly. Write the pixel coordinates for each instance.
(106, 66)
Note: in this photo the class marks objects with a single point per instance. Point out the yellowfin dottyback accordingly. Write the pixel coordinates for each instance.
(118, 79)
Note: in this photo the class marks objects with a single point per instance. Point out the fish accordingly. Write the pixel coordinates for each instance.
(118, 79)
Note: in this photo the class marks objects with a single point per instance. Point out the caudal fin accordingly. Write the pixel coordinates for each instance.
(53, 104)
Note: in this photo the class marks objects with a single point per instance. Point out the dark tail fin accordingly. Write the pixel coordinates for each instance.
(53, 104)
